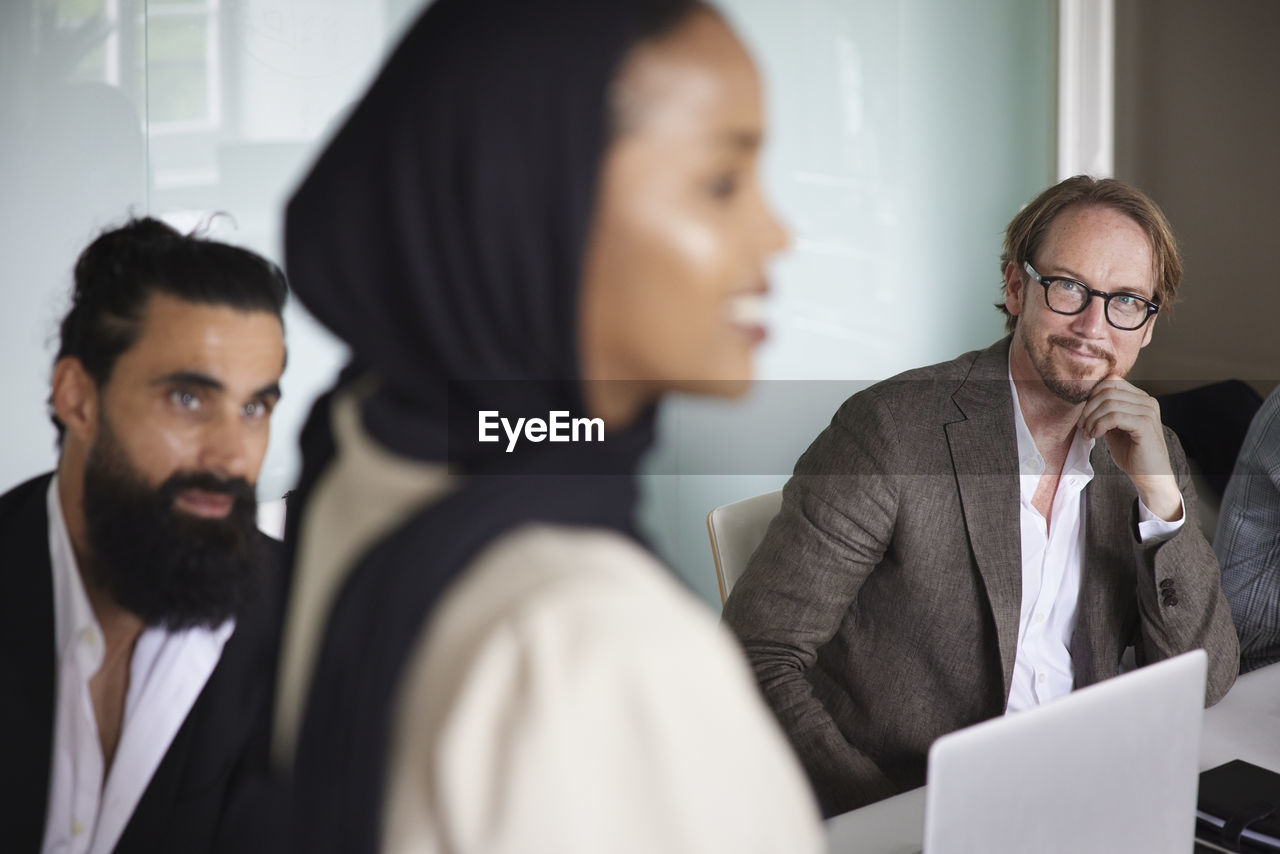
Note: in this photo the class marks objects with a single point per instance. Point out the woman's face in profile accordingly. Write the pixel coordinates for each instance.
(674, 276)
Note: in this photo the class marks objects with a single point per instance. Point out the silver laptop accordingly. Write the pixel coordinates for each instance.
(1111, 767)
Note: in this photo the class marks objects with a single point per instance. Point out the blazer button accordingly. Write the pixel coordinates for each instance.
(1167, 583)
(1171, 601)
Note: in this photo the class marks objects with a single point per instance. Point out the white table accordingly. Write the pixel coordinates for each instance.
(1244, 725)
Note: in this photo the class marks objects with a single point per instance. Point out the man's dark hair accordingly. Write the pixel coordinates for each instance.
(117, 274)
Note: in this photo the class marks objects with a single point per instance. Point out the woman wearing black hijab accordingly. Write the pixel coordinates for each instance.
(539, 207)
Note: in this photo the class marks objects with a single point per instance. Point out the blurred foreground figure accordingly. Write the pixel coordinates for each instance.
(984, 535)
(1248, 539)
(134, 637)
(539, 211)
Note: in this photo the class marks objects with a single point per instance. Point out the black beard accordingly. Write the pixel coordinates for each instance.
(168, 567)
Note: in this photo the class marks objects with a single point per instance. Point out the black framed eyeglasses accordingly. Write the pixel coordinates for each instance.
(1067, 296)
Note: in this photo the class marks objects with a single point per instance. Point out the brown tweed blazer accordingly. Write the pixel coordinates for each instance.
(881, 610)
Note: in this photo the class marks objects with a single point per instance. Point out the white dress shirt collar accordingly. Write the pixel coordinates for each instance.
(1031, 461)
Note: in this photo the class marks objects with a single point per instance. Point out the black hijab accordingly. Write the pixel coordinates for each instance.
(441, 235)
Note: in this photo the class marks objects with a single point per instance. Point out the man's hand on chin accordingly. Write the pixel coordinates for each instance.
(1128, 419)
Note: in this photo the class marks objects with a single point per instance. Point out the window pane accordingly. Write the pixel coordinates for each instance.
(176, 39)
(74, 11)
(178, 94)
(177, 68)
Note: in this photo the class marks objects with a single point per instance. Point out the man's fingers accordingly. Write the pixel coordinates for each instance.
(1122, 391)
(1121, 395)
(1099, 405)
(1105, 422)
(1119, 409)
(1130, 416)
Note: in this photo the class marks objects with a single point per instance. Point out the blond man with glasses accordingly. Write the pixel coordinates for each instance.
(981, 536)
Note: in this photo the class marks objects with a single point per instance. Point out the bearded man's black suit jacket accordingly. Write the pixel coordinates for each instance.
(222, 742)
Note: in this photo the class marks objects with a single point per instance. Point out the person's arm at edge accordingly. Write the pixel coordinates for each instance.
(1248, 539)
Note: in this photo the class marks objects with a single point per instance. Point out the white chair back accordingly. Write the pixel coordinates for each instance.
(736, 530)
(271, 518)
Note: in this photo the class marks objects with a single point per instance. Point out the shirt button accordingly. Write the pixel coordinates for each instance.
(1037, 619)
(90, 637)
(1040, 677)
(76, 828)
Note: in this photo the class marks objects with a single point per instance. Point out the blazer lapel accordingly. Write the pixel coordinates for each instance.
(1101, 635)
(27, 665)
(984, 452)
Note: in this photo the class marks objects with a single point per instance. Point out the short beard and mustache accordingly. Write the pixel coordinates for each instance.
(168, 567)
(1073, 391)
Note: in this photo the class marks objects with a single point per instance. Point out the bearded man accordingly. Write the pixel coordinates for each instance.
(134, 636)
(982, 536)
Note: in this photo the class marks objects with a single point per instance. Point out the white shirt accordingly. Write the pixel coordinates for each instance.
(86, 815)
(1051, 566)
